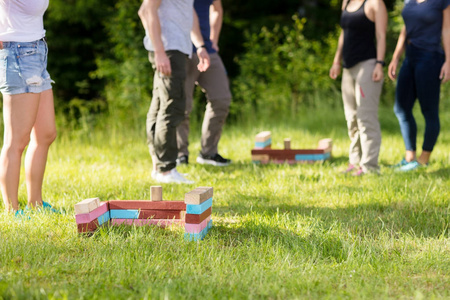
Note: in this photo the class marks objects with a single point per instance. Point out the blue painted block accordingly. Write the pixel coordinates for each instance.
(103, 218)
(198, 209)
(263, 144)
(199, 236)
(124, 213)
(312, 157)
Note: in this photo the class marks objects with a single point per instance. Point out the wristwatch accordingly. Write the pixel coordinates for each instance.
(381, 62)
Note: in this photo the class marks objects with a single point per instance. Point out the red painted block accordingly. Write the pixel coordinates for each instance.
(88, 227)
(160, 214)
(147, 205)
(197, 219)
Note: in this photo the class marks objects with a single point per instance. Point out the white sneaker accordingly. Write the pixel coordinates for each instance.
(154, 173)
(172, 177)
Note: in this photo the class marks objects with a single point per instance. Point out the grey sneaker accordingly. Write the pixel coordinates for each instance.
(214, 160)
(172, 177)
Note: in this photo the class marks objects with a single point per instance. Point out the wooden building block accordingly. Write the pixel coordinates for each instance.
(264, 145)
(124, 213)
(197, 219)
(263, 157)
(88, 227)
(86, 206)
(89, 217)
(103, 218)
(161, 214)
(198, 236)
(287, 143)
(263, 136)
(198, 195)
(143, 222)
(326, 145)
(156, 193)
(196, 228)
(198, 209)
(146, 204)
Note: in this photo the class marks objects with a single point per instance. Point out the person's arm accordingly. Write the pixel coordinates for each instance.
(197, 40)
(336, 67)
(445, 70)
(381, 20)
(215, 21)
(148, 13)
(399, 49)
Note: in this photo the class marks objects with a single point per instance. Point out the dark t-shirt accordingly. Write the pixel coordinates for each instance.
(202, 10)
(423, 23)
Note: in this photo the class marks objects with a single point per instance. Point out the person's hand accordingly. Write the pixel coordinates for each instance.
(378, 74)
(203, 59)
(162, 63)
(335, 70)
(392, 69)
(445, 72)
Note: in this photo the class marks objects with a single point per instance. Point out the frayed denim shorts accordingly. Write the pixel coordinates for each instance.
(23, 67)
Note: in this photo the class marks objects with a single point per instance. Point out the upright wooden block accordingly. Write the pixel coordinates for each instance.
(197, 219)
(198, 195)
(325, 144)
(86, 206)
(156, 193)
(263, 136)
(287, 143)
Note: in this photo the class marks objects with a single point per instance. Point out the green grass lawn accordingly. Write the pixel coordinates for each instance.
(280, 231)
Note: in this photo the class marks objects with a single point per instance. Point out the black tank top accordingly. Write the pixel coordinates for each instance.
(359, 37)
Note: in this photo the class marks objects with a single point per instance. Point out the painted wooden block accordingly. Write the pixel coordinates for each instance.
(197, 219)
(86, 206)
(104, 218)
(313, 157)
(198, 195)
(198, 209)
(198, 236)
(142, 222)
(89, 217)
(88, 227)
(146, 204)
(263, 136)
(263, 145)
(156, 193)
(197, 228)
(161, 214)
(124, 213)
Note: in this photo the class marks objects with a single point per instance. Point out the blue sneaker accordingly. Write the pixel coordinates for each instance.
(20, 214)
(403, 162)
(413, 165)
(46, 207)
(49, 208)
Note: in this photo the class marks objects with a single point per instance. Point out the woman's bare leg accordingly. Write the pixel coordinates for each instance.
(42, 136)
(19, 116)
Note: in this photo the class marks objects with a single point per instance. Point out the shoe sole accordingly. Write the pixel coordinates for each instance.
(211, 162)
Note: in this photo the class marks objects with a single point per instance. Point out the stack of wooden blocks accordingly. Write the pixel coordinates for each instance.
(194, 212)
(263, 152)
(198, 213)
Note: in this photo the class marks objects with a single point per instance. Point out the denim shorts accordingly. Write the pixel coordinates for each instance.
(23, 67)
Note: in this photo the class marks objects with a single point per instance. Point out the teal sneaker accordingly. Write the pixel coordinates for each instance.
(413, 165)
(402, 163)
(46, 207)
(20, 214)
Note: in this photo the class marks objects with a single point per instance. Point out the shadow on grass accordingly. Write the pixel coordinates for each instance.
(366, 220)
